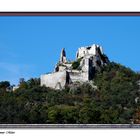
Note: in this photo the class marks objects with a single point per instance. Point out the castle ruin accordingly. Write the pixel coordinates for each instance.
(88, 60)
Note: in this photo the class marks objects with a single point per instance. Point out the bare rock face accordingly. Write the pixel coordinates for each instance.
(88, 60)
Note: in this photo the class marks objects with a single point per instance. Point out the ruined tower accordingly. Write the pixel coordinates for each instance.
(63, 56)
(89, 59)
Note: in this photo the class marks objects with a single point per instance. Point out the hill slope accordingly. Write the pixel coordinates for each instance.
(116, 100)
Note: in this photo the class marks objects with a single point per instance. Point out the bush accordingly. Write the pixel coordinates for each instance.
(76, 64)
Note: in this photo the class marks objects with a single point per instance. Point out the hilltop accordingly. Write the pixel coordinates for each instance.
(89, 60)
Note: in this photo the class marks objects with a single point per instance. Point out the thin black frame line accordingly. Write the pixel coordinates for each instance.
(69, 13)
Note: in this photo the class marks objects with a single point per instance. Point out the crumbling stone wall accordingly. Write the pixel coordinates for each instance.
(55, 80)
(89, 50)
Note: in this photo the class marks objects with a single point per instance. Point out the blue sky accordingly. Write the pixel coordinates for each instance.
(30, 46)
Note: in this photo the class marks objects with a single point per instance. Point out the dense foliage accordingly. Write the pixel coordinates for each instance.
(113, 101)
(76, 64)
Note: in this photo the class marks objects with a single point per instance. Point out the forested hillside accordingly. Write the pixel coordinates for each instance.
(116, 100)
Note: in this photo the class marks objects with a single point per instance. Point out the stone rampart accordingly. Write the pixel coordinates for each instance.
(55, 80)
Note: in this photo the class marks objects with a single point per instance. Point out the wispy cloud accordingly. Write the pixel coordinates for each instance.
(11, 68)
(12, 72)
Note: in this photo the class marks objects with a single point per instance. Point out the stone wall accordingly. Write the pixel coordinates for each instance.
(58, 80)
(78, 76)
(90, 50)
(55, 80)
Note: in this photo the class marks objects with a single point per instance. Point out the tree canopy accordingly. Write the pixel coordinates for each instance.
(112, 102)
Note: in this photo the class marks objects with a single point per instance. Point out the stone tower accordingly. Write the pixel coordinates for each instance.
(63, 56)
